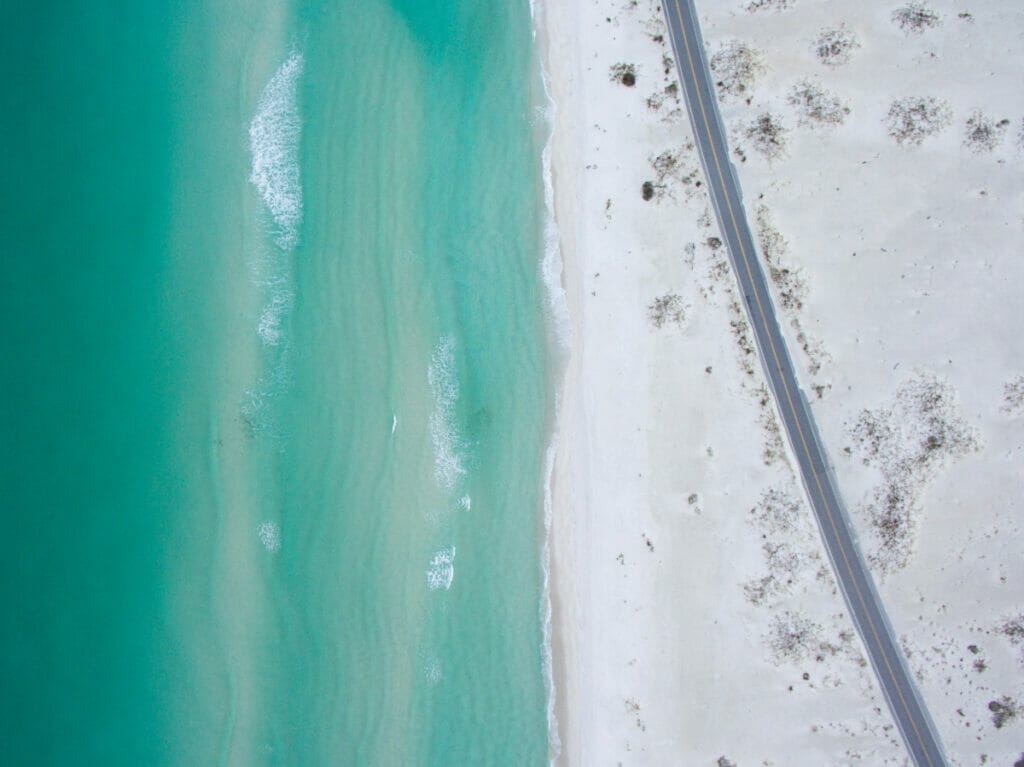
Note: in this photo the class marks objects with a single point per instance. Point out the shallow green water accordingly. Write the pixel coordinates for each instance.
(275, 385)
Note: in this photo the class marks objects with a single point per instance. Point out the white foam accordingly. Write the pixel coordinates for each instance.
(466, 503)
(269, 327)
(274, 135)
(442, 569)
(551, 263)
(432, 671)
(394, 422)
(554, 742)
(270, 536)
(449, 464)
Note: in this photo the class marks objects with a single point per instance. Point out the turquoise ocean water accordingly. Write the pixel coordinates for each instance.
(276, 384)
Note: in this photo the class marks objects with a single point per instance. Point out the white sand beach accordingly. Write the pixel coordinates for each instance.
(696, 621)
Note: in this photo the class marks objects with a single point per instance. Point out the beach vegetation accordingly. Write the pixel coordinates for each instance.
(817, 106)
(984, 134)
(790, 283)
(908, 442)
(769, 5)
(1004, 710)
(792, 637)
(915, 17)
(665, 309)
(736, 68)
(624, 74)
(768, 135)
(647, 190)
(912, 119)
(834, 46)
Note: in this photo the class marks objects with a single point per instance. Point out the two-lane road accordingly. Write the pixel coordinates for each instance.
(847, 562)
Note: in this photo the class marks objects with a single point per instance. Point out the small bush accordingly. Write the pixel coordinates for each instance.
(915, 17)
(1003, 711)
(792, 637)
(736, 67)
(817, 106)
(913, 119)
(665, 309)
(624, 74)
(983, 134)
(1013, 399)
(835, 46)
(647, 190)
(768, 135)
(769, 5)
(908, 442)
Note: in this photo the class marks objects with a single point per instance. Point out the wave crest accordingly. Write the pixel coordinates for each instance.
(441, 572)
(449, 462)
(274, 135)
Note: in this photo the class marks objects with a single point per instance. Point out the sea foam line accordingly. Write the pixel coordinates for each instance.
(449, 464)
(274, 135)
(551, 269)
(441, 572)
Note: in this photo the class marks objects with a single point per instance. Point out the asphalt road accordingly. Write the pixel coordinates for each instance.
(854, 579)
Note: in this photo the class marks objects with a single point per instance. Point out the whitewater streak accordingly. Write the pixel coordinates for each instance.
(274, 135)
(449, 465)
(551, 272)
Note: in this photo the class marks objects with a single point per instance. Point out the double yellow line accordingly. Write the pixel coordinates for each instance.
(789, 396)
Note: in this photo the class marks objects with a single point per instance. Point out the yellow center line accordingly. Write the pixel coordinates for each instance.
(785, 386)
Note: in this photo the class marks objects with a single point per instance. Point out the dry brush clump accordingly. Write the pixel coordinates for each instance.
(792, 637)
(834, 46)
(1004, 711)
(1013, 396)
(768, 135)
(908, 442)
(790, 283)
(1013, 629)
(778, 511)
(915, 17)
(912, 119)
(983, 134)
(788, 553)
(817, 106)
(622, 73)
(672, 169)
(736, 67)
(769, 5)
(665, 309)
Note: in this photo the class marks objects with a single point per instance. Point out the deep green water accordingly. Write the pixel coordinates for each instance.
(275, 388)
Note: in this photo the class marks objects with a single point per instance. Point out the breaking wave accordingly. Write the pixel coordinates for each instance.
(441, 572)
(449, 462)
(274, 135)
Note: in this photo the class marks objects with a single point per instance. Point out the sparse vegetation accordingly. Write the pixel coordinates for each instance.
(790, 283)
(736, 67)
(778, 511)
(913, 119)
(983, 134)
(768, 135)
(908, 442)
(769, 5)
(672, 170)
(1013, 629)
(835, 46)
(624, 74)
(647, 190)
(1003, 711)
(665, 309)
(915, 17)
(816, 106)
(792, 637)
(723, 762)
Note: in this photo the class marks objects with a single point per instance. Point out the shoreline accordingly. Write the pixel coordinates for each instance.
(553, 272)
